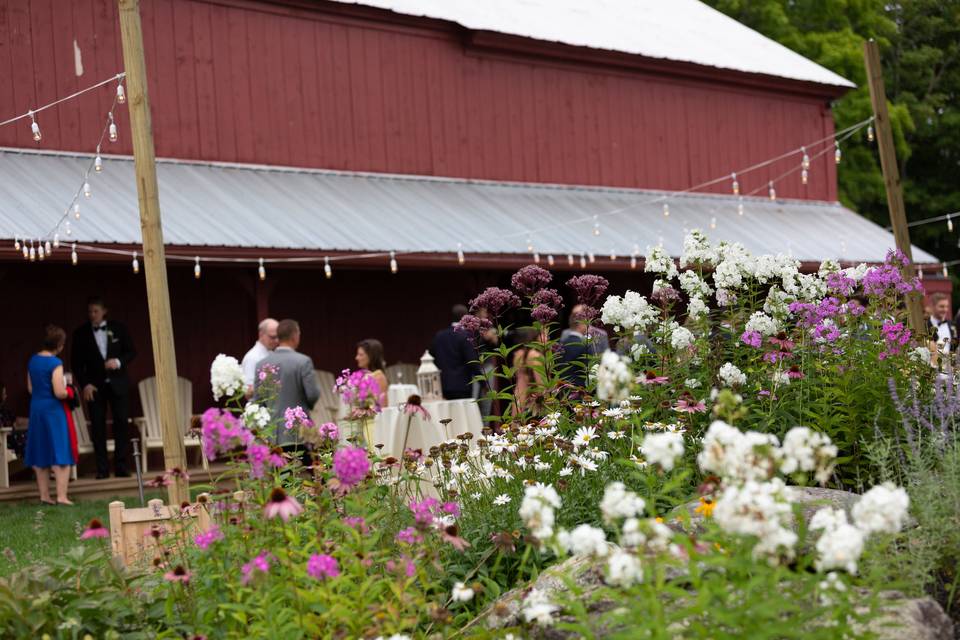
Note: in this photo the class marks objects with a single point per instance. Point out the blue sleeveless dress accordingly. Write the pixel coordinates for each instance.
(48, 438)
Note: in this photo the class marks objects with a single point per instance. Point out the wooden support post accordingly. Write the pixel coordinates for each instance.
(891, 175)
(154, 256)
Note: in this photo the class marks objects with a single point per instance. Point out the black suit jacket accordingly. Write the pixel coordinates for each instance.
(88, 365)
(574, 356)
(456, 357)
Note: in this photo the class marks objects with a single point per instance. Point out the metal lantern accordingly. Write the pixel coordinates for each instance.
(428, 379)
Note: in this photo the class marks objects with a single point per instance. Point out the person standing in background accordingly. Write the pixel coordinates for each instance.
(370, 358)
(456, 357)
(297, 380)
(266, 343)
(101, 352)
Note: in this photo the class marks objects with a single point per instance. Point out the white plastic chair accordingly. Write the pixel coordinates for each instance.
(150, 427)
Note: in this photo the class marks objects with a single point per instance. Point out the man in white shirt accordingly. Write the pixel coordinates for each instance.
(943, 331)
(266, 342)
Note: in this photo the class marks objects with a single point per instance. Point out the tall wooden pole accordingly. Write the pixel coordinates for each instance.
(155, 263)
(891, 175)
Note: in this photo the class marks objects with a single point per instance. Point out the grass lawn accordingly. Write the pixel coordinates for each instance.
(30, 532)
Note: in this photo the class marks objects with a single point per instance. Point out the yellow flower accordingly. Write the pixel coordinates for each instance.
(705, 508)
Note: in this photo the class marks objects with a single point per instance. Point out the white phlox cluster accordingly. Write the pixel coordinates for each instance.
(663, 449)
(731, 376)
(226, 376)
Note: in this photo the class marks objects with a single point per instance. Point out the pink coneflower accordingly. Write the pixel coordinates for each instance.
(204, 540)
(177, 474)
(414, 406)
(282, 505)
(95, 529)
(351, 465)
(795, 373)
(261, 563)
(158, 482)
(651, 377)
(782, 341)
(179, 574)
(322, 566)
(688, 404)
(451, 534)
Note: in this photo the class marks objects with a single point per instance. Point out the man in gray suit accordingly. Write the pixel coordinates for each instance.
(297, 381)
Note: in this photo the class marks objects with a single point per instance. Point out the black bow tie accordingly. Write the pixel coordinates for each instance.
(102, 327)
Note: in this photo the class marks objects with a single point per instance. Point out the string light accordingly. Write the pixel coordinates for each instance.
(47, 247)
(666, 210)
(945, 272)
(98, 161)
(869, 133)
(327, 269)
(73, 254)
(613, 255)
(805, 161)
(16, 243)
(736, 185)
(33, 252)
(460, 257)
(536, 257)
(34, 128)
(633, 262)
(76, 210)
(773, 192)
(196, 267)
(550, 259)
(740, 206)
(393, 262)
(949, 223)
(26, 250)
(837, 154)
(40, 252)
(591, 257)
(56, 241)
(68, 228)
(112, 136)
(920, 273)
(570, 259)
(121, 94)
(529, 243)
(713, 222)
(596, 225)
(86, 189)
(261, 270)
(583, 261)
(803, 176)
(135, 263)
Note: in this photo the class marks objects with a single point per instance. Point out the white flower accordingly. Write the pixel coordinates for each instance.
(759, 509)
(618, 502)
(461, 593)
(727, 276)
(584, 436)
(631, 313)
(697, 249)
(805, 450)
(584, 463)
(883, 509)
(763, 324)
(616, 435)
(613, 377)
(538, 608)
(731, 376)
(613, 412)
(396, 636)
(256, 416)
(828, 519)
(658, 261)
(921, 355)
(734, 455)
(623, 569)
(831, 583)
(501, 500)
(680, 337)
(566, 471)
(537, 509)
(662, 448)
(692, 383)
(226, 376)
(840, 548)
(696, 308)
(584, 540)
(693, 285)
(551, 419)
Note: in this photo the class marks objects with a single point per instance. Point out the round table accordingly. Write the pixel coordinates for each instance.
(397, 394)
(390, 425)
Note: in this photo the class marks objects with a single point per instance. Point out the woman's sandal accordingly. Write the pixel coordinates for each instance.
(48, 502)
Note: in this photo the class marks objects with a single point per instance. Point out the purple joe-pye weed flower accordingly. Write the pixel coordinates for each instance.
(321, 566)
(473, 325)
(495, 300)
(95, 529)
(530, 279)
(548, 297)
(543, 314)
(280, 505)
(351, 465)
(589, 288)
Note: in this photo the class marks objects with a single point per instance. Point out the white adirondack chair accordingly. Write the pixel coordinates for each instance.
(6, 457)
(328, 405)
(151, 430)
(84, 441)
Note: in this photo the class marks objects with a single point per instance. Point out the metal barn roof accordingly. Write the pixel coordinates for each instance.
(679, 30)
(267, 207)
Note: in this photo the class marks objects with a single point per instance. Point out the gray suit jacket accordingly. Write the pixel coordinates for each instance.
(298, 388)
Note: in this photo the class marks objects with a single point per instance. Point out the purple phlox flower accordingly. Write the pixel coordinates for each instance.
(296, 417)
(402, 564)
(424, 511)
(414, 406)
(276, 458)
(589, 288)
(763, 393)
(651, 377)
(409, 536)
(222, 432)
(473, 325)
(329, 430)
(774, 357)
(257, 455)
(321, 566)
(351, 465)
(812, 314)
(888, 277)
(826, 331)
(360, 390)
(178, 574)
(280, 505)
(496, 301)
(726, 298)
(840, 283)
(95, 529)
(752, 339)
(895, 336)
(451, 508)
(530, 279)
(260, 563)
(207, 538)
(270, 371)
(357, 523)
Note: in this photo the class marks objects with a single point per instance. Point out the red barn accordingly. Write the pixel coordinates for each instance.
(311, 132)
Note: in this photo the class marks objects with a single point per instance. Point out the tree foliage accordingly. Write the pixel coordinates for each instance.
(920, 47)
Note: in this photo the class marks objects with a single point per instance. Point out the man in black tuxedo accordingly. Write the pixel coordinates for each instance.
(577, 344)
(456, 357)
(100, 354)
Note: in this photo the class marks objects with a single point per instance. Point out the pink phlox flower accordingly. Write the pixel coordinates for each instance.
(451, 508)
(409, 536)
(402, 564)
(763, 393)
(351, 465)
(270, 371)
(530, 279)
(424, 511)
(257, 455)
(329, 430)
(895, 336)
(840, 283)
(296, 417)
(276, 460)
(222, 432)
(260, 563)
(359, 389)
(207, 538)
(281, 505)
(321, 566)
(95, 529)
(752, 339)
(777, 356)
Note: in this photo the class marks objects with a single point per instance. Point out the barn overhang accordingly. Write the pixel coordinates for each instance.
(225, 212)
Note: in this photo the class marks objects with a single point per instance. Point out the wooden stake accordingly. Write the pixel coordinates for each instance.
(891, 175)
(154, 257)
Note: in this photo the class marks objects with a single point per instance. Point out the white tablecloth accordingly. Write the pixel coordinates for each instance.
(390, 426)
(397, 394)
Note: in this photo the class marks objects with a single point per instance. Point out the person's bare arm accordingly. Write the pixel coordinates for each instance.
(59, 384)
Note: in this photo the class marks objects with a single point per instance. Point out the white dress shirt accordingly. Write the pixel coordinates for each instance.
(943, 334)
(250, 361)
(101, 338)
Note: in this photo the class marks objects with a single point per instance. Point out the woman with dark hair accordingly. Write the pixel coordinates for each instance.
(527, 363)
(48, 436)
(370, 358)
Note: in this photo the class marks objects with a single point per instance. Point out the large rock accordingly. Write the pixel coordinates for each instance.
(903, 618)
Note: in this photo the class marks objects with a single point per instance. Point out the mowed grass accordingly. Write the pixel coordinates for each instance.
(31, 532)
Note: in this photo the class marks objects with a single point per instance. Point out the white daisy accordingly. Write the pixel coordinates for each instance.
(616, 435)
(501, 500)
(583, 436)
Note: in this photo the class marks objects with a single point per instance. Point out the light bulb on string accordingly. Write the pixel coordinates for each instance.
(26, 250)
(98, 161)
(33, 252)
(550, 259)
(35, 128)
(73, 254)
(86, 189)
(536, 257)
(529, 243)
(47, 247)
(803, 176)
(920, 273)
(40, 251)
(740, 206)
(327, 269)
(261, 270)
(16, 243)
(666, 210)
(945, 272)
(135, 263)
(112, 129)
(713, 222)
(583, 261)
(869, 133)
(68, 228)
(633, 262)
(196, 267)
(76, 210)
(596, 226)
(837, 155)
(56, 241)
(591, 257)
(460, 258)
(736, 185)
(613, 255)
(805, 161)
(570, 259)
(949, 223)
(121, 94)
(393, 262)
(773, 192)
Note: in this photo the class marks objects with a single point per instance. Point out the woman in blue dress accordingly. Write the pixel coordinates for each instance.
(48, 438)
